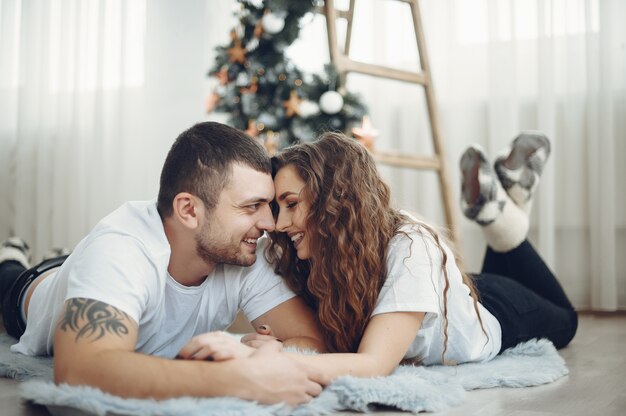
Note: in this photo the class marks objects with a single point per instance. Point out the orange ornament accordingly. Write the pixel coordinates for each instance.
(258, 29)
(252, 129)
(222, 75)
(366, 133)
(292, 105)
(252, 89)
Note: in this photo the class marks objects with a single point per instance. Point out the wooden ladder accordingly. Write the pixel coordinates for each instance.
(344, 65)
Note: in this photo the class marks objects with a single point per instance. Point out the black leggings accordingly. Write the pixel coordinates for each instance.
(519, 289)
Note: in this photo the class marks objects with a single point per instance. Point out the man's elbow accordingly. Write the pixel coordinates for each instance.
(71, 372)
(66, 374)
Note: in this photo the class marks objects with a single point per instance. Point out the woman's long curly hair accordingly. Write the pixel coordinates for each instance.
(349, 227)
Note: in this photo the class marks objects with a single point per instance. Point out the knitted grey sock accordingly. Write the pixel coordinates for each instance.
(520, 168)
(484, 200)
(480, 201)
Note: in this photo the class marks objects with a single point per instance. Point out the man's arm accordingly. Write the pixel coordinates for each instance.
(294, 323)
(94, 345)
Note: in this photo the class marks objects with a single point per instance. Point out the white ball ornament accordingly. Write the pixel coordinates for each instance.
(331, 102)
(272, 23)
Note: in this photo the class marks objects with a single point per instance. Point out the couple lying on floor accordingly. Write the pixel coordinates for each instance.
(137, 308)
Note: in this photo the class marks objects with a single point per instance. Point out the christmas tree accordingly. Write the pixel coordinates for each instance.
(266, 94)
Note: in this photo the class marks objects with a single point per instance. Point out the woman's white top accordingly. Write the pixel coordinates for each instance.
(415, 283)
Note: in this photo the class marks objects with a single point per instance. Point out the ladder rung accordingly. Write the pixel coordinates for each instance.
(349, 65)
(406, 161)
(342, 14)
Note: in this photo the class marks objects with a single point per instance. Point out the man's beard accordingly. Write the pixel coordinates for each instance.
(214, 251)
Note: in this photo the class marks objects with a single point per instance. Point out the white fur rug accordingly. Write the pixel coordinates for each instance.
(410, 389)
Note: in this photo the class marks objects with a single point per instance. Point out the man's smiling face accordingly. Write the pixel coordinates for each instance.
(230, 232)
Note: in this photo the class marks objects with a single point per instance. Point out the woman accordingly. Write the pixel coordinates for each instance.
(386, 287)
(385, 284)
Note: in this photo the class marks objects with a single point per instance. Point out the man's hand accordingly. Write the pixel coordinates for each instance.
(270, 376)
(214, 346)
(277, 378)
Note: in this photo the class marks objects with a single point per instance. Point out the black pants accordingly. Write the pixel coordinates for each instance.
(14, 281)
(519, 289)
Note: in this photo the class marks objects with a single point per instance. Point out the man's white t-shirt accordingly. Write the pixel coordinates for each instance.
(415, 283)
(123, 262)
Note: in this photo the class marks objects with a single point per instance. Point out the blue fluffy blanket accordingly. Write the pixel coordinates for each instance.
(409, 388)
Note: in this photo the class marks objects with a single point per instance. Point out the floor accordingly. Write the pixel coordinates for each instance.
(596, 384)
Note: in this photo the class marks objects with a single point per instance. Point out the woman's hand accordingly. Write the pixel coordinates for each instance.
(214, 346)
(263, 335)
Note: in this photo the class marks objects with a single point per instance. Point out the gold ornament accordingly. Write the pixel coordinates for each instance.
(292, 105)
(236, 53)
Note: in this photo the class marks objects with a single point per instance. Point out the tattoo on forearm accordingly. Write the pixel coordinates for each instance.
(92, 319)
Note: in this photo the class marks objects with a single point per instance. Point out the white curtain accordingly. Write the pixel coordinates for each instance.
(499, 67)
(92, 93)
(70, 77)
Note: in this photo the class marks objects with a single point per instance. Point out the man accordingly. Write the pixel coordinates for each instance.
(152, 275)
